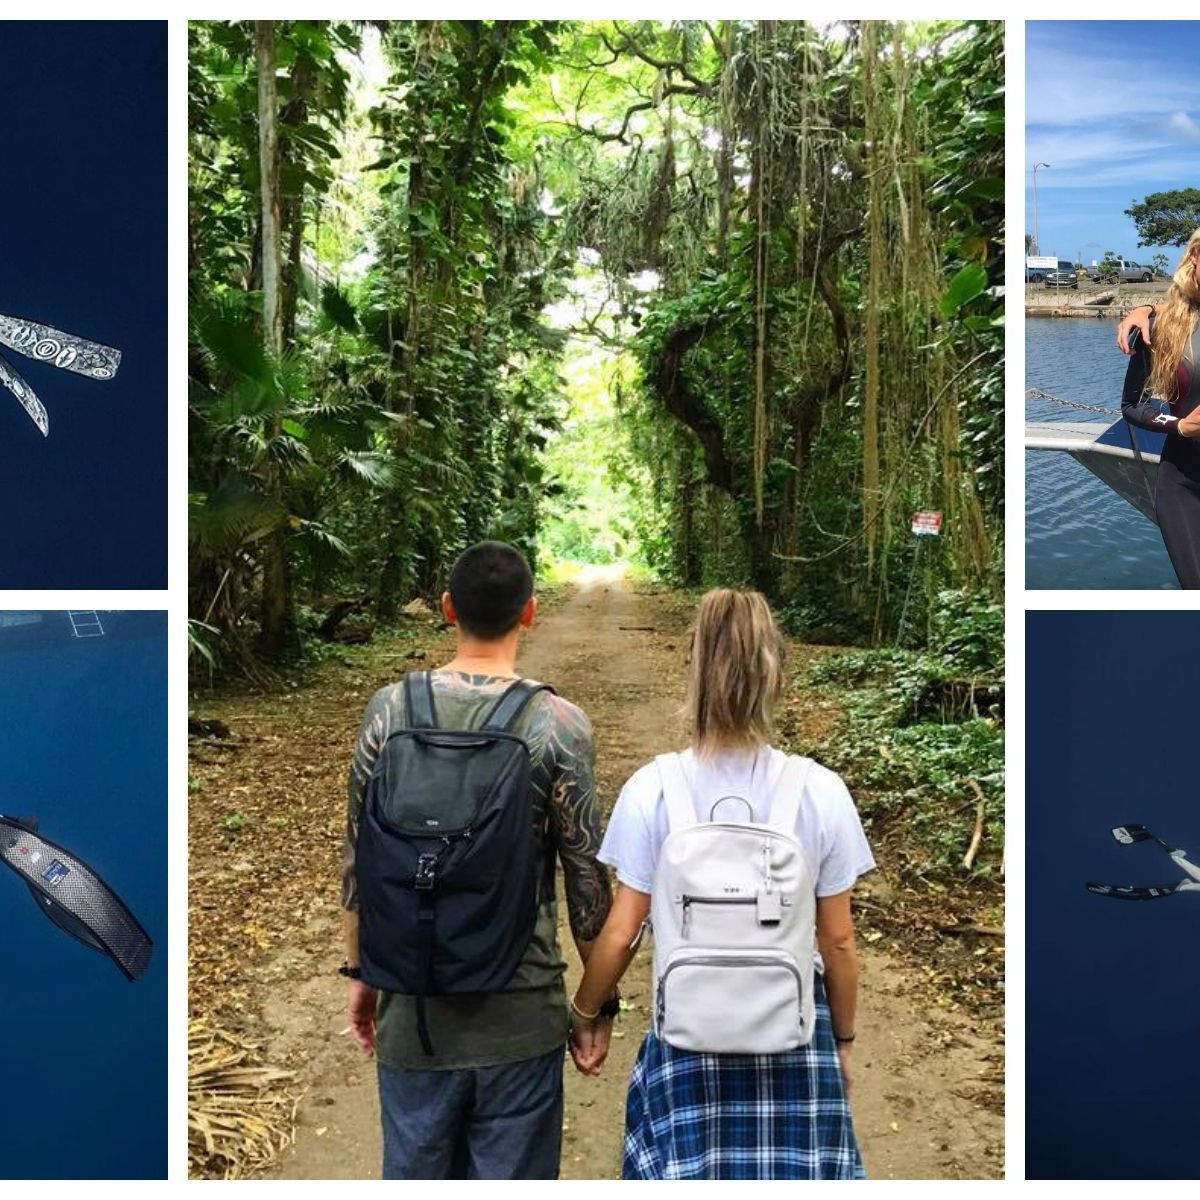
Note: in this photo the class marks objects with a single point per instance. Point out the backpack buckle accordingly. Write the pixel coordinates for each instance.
(426, 874)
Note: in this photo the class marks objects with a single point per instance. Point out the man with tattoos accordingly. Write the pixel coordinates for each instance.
(487, 1103)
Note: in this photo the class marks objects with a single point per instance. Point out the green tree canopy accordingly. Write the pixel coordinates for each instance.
(1166, 218)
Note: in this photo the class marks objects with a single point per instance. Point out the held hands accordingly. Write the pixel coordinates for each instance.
(362, 1015)
(589, 1042)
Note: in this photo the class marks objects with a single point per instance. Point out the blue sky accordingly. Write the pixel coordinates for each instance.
(1113, 106)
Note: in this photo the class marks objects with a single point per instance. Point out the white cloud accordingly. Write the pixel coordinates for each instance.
(1183, 126)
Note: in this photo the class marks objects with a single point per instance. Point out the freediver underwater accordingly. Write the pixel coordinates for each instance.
(83, 839)
(74, 897)
(1127, 835)
(45, 344)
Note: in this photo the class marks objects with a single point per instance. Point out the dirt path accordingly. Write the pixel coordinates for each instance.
(921, 1071)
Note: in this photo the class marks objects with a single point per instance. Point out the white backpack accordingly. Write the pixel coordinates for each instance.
(734, 916)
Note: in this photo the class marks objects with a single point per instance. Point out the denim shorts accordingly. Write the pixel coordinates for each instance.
(502, 1122)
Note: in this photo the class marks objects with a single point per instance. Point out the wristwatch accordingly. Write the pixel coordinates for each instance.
(350, 972)
(610, 1009)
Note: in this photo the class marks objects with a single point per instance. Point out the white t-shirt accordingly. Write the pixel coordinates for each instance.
(827, 825)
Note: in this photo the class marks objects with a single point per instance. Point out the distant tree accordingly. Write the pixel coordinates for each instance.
(1109, 268)
(1029, 243)
(1160, 263)
(1166, 218)
(277, 615)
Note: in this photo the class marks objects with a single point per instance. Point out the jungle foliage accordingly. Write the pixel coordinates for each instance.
(769, 253)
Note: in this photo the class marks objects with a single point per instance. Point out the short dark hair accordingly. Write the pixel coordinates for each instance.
(490, 584)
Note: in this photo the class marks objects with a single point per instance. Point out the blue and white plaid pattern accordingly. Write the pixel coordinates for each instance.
(741, 1116)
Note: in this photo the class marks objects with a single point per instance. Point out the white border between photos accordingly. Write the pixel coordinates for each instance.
(1014, 607)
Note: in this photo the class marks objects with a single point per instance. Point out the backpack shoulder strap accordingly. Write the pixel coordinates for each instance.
(419, 709)
(508, 708)
(677, 795)
(788, 793)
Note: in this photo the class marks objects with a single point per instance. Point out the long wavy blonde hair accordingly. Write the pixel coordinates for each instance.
(1175, 322)
(735, 676)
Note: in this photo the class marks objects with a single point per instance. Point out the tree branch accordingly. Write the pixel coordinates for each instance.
(683, 404)
(701, 87)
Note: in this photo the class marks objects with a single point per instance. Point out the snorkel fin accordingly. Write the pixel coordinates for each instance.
(71, 894)
(1128, 835)
(43, 343)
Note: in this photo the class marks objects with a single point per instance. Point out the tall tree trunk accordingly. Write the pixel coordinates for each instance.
(276, 619)
(766, 568)
(272, 201)
(295, 113)
(728, 136)
(877, 184)
(387, 598)
(687, 557)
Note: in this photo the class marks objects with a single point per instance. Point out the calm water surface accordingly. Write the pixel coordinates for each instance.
(1078, 532)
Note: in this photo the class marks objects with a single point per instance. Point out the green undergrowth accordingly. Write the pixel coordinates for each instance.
(922, 736)
(918, 736)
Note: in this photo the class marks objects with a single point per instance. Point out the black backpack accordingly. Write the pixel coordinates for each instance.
(449, 876)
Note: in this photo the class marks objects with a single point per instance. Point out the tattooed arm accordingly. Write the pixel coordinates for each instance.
(372, 735)
(376, 725)
(575, 823)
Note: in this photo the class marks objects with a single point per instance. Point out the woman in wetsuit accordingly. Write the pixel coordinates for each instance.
(1170, 368)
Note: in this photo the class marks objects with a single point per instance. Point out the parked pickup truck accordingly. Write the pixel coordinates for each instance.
(1128, 271)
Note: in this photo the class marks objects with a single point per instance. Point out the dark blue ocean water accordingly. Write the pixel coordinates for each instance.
(83, 1083)
(1113, 987)
(1078, 532)
(83, 248)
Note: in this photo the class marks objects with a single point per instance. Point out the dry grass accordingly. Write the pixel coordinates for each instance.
(240, 1114)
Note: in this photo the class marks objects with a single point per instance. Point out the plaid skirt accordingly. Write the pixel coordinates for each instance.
(741, 1116)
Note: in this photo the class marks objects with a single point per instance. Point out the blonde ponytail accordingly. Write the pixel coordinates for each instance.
(735, 676)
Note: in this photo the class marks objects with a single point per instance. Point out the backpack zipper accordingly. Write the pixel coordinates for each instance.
(425, 875)
(713, 961)
(687, 902)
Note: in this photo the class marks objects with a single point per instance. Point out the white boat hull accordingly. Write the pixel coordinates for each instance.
(1109, 451)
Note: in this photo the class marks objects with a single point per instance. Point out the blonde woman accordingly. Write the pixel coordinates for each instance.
(699, 1115)
(1164, 343)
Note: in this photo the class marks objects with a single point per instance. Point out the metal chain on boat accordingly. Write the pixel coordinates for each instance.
(1037, 394)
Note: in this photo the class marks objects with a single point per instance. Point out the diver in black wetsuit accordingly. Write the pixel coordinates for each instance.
(1177, 497)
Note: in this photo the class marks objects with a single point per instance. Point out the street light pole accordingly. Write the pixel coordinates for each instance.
(1036, 240)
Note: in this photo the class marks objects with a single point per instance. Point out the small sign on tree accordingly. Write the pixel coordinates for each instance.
(927, 524)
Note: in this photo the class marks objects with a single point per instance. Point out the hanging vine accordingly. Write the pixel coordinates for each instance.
(877, 185)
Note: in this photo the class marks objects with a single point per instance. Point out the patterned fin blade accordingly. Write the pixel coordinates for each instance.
(26, 395)
(45, 344)
(1128, 834)
(1132, 893)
